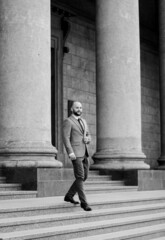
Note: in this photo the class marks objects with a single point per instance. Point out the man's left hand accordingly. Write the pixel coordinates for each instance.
(86, 140)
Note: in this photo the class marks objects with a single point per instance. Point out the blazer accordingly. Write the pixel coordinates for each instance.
(73, 136)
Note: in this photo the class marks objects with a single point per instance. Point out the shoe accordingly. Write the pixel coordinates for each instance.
(70, 199)
(86, 207)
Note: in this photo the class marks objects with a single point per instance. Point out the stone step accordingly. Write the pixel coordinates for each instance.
(94, 172)
(105, 189)
(143, 233)
(51, 205)
(9, 186)
(159, 238)
(99, 178)
(2, 180)
(103, 183)
(87, 229)
(17, 194)
(49, 220)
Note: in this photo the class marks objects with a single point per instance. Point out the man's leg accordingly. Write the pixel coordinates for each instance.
(72, 190)
(86, 164)
(79, 175)
(70, 194)
(78, 185)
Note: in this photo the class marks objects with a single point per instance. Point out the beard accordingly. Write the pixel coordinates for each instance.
(77, 113)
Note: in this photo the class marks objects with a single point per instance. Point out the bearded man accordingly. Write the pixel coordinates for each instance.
(76, 138)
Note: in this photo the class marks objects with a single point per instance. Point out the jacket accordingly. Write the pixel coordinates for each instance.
(73, 136)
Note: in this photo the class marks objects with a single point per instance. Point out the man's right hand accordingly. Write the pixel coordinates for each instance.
(72, 156)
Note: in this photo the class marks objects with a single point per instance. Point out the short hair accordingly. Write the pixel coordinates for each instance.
(73, 102)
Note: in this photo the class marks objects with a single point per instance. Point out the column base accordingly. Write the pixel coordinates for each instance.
(29, 154)
(123, 162)
(20, 162)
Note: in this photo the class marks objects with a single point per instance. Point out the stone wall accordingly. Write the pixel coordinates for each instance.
(149, 180)
(79, 78)
(150, 103)
(79, 73)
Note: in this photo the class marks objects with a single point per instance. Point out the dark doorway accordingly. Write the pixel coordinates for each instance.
(56, 93)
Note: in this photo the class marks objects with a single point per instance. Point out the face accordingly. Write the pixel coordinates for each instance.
(77, 108)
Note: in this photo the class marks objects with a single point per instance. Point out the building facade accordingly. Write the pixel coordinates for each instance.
(105, 40)
(107, 54)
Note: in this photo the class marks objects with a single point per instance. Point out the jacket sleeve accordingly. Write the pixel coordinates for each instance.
(66, 136)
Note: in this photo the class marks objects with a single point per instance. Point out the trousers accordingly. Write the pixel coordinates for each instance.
(81, 169)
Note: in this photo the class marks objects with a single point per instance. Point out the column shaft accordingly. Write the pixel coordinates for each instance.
(25, 125)
(118, 86)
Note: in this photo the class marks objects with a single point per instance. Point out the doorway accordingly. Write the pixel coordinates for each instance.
(56, 93)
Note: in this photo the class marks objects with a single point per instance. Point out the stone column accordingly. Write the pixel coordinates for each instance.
(161, 160)
(25, 125)
(119, 144)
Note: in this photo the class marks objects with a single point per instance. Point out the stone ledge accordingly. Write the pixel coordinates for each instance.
(54, 182)
(151, 180)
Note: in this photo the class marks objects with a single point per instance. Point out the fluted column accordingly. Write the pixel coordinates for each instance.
(161, 160)
(119, 144)
(25, 125)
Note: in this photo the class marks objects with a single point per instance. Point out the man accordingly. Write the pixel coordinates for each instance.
(76, 138)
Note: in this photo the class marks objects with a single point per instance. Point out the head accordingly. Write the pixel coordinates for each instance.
(76, 108)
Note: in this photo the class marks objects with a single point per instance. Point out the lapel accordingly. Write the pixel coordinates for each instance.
(76, 122)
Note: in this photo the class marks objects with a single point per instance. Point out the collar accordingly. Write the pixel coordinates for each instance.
(76, 117)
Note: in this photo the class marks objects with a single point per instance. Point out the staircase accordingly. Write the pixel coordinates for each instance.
(97, 184)
(13, 190)
(117, 215)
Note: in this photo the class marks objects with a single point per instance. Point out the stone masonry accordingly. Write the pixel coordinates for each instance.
(150, 104)
(79, 73)
(80, 83)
